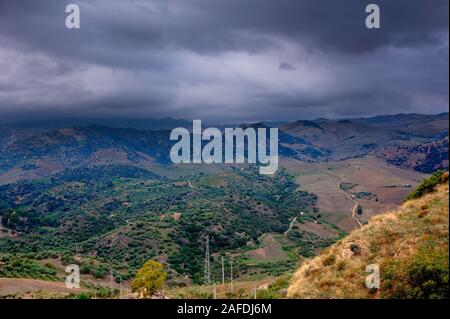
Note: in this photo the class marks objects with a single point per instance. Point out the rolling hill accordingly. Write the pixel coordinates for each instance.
(108, 197)
(424, 157)
(417, 142)
(409, 245)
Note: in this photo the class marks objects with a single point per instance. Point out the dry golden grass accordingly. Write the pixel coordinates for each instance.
(391, 240)
(241, 290)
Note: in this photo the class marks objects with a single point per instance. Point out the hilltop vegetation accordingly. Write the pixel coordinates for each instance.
(122, 216)
(425, 157)
(429, 185)
(409, 245)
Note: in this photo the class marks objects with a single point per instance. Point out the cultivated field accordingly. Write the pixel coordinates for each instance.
(380, 186)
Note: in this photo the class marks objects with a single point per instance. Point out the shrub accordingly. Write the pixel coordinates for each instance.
(67, 259)
(85, 268)
(266, 294)
(328, 261)
(84, 295)
(280, 283)
(429, 273)
(423, 276)
(359, 210)
(99, 271)
(427, 186)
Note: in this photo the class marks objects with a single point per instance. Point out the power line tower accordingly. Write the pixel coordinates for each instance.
(112, 278)
(231, 268)
(207, 263)
(78, 250)
(223, 273)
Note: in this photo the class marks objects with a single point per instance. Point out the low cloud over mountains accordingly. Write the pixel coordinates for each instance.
(224, 60)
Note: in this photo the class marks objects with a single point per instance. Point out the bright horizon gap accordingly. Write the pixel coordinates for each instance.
(206, 122)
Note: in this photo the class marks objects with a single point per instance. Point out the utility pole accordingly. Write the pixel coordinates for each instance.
(112, 278)
(223, 273)
(121, 295)
(207, 263)
(231, 266)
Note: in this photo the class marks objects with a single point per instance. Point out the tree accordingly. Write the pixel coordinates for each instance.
(149, 279)
(359, 210)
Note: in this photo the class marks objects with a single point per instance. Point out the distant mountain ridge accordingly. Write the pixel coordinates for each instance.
(414, 141)
(136, 123)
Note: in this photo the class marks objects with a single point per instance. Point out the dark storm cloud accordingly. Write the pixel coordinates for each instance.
(286, 66)
(223, 59)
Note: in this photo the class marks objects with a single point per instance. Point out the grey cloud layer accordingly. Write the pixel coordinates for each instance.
(223, 59)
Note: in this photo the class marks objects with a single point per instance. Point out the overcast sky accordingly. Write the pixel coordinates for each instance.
(222, 60)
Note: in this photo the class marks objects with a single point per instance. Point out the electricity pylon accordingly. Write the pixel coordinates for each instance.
(207, 263)
(231, 266)
(223, 273)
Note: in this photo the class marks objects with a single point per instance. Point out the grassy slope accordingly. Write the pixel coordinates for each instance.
(410, 246)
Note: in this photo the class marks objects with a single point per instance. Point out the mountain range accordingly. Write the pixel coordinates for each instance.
(108, 197)
(418, 142)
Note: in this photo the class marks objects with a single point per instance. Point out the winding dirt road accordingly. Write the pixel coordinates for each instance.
(353, 199)
(290, 226)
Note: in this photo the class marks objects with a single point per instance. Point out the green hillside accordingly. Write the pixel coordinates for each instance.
(410, 246)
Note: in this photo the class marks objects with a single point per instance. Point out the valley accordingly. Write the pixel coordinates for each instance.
(376, 185)
(108, 199)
